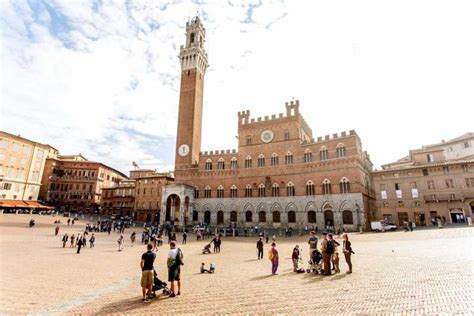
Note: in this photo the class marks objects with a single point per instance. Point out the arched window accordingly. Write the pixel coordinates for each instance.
(311, 217)
(289, 158)
(291, 217)
(344, 186)
(207, 192)
(220, 164)
(249, 140)
(308, 156)
(233, 191)
(208, 164)
(274, 160)
(347, 217)
(290, 189)
(275, 189)
(248, 162)
(248, 191)
(276, 216)
(233, 163)
(323, 153)
(192, 38)
(233, 216)
(196, 193)
(341, 151)
(327, 187)
(262, 217)
(220, 191)
(310, 188)
(220, 217)
(287, 135)
(261, 190)
(261, 161)
(195, 216)
(248, 216)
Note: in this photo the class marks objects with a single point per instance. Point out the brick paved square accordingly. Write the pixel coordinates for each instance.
(424, 272)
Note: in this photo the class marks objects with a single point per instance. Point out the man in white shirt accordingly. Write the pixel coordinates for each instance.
(174, 268)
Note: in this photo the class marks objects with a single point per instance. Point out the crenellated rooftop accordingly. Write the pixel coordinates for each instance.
(218, 152)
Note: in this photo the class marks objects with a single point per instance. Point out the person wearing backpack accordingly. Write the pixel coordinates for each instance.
(327, 249)
(174, 263)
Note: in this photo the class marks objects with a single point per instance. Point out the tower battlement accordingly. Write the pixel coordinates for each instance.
(292, 110)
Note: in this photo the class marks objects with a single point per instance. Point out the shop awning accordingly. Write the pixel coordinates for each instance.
(22, 204)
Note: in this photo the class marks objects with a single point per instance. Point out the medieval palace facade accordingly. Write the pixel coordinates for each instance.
(280, 175)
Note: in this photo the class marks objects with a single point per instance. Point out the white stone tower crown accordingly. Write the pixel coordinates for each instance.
(193, 55)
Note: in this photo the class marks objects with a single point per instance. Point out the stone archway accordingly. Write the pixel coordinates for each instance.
(173, 204)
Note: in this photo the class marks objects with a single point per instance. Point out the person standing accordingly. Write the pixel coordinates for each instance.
(347, 250)
(174, 263)
(56, 230)
(79, 243)
(185, 236)
(146, 264)
(92, 240)
(332, 246)
(214, 241)
(260, 248)
(218, 243)
(65, 238)
(313, 242)
(326, 255)
(295, 256)
(273, 256)
(72, 240)
(68, 221)
(266, 237)
(132, 238)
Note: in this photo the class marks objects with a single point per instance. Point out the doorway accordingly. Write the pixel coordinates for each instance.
(457, 216)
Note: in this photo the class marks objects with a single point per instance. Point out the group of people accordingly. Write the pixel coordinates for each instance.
(78, 241)
(217, 241)
(174, 262)
(328, 254)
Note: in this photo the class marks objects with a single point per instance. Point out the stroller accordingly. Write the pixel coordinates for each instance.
(159, 285)
(315, 264)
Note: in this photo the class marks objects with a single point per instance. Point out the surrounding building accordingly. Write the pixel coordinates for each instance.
(148, 192)
(73, 183)
(22, 162)
(280, 176)
(436, 180)
(118, 200)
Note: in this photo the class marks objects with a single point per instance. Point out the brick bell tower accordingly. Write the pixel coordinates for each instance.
(193, 60)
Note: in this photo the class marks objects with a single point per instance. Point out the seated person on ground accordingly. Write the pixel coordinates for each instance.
(207, 249)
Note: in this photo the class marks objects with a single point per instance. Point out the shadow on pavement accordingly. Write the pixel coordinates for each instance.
(128, 305)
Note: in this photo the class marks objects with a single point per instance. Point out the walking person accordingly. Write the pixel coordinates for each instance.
(68, 221)
(56, 230)
(120, 243)
(80, 243)
(347, 250)
(260, 248)
(92, 240)
(295, 256)
(327, 253)
(266, 237)
(174, 263)
(72, 240)
(273, 256)
(146, 264)
(132, 238)
(185, 236)
(65, 238)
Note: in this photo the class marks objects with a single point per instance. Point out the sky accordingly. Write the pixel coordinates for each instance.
(101, 78)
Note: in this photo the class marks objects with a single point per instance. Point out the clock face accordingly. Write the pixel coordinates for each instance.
(183, 150)
(267, 136)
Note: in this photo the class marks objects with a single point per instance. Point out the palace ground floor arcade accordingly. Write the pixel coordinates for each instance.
(336, 210)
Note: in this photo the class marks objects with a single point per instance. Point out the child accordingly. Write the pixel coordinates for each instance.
(335, 262)
(207, 249)
(212, 268)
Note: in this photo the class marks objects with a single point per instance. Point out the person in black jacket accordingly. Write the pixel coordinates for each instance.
(260, 248)
(347, 250)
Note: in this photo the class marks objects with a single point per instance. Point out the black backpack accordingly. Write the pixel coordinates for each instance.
(330, 247)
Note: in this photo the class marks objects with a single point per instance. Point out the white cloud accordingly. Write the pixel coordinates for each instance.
(103, 79)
